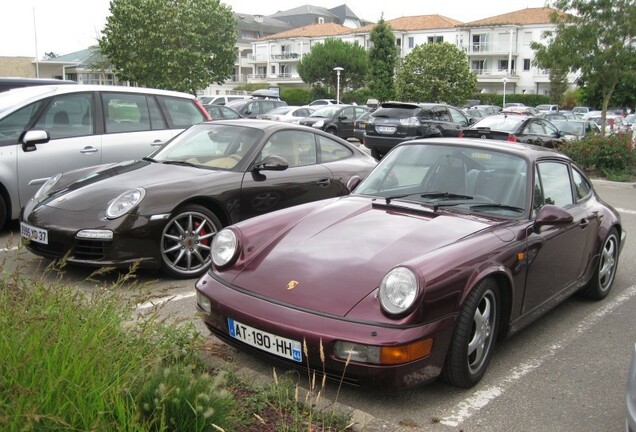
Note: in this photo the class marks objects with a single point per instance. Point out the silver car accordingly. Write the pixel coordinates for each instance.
(45, 130)
(630, 423)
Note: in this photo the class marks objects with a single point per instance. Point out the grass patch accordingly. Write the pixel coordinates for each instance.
(77, 359)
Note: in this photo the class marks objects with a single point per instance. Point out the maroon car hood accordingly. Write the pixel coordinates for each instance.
(339, 254)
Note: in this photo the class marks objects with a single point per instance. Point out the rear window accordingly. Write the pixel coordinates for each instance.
(500, 123)
(399, 113)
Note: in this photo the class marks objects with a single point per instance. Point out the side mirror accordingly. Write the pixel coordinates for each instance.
(551, 215)
(353, 182)
(471, 120)
(33, 137)
(272, 163)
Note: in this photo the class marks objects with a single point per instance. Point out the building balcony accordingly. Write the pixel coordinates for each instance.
(495, 75)
(275, 78)
(285, 57)
(488, 49)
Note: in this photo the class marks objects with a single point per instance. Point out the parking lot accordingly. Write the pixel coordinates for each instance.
(567, 371)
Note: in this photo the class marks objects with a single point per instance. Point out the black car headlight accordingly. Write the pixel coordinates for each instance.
(398, 290)
(125, 202)
(224, 248)
(46, 187)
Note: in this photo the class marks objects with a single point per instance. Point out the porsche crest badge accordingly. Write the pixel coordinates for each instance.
(292, 284)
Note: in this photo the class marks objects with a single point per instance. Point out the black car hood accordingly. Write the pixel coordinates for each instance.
(98, 188)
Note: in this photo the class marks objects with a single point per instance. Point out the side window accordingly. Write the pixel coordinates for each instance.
(535, 128)
(331, 150)
(125, 112)
(266, 106)
(550, 128)
(555, 181)
(581, 186)
(296, 147)
(457, 117)
(347, 113)
(228, 113)
(12, 126)
(441, 114)
(68, 116)
(157, 119)
(181, 111)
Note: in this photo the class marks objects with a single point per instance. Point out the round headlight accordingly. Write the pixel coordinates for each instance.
(224, 247)
(46, 187)
(125, 202)
(398, 290)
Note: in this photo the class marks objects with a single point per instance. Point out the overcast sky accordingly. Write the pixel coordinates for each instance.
(65, 26)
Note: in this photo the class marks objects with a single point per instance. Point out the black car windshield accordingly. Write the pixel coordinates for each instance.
(217, 146)
(470, 179)
(502, 122)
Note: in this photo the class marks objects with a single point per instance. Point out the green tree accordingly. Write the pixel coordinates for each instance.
(595, 39)
(172, 44)
(316, 67)
(383, 57)
(436, 72)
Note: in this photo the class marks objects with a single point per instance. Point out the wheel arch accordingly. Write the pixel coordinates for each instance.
(212, 205)
(4, 195)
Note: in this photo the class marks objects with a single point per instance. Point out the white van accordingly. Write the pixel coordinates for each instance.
(49, 129)
(219, 100)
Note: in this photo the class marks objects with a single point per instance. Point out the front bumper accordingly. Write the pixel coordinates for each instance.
(313, 330)
(135, 238)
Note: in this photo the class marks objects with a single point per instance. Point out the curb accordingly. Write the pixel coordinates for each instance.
(614, 184)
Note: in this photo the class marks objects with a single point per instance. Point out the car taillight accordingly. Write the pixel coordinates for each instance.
(411, 121)
(461, 134)
(512, 138)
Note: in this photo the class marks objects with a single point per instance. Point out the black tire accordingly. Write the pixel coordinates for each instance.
(186, 240)
(3, 212)
(601, 283)
(332, 131)
(474, 338)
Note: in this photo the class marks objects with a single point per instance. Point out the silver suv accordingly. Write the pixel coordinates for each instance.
(45, 130)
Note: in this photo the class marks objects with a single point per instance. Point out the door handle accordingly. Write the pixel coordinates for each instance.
(157, 143)
(584, 222)
(89, 150)
(323, 182)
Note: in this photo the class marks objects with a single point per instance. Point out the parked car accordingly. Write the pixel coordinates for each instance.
(163, 211)
(289, 113)
(614, 123)
(49, 129)
(547, 108)
(580, 111)
(252, 108)
(324, 102)
(335, 119)
(513, 104)
(221, 112)
(560, 115)
(457, 244)
(489, 109)
(516, 128)
(630, 422)
(8, 83)
(476, 113)
(395, 122)
(525, 110)
(220, 100)
(360, 125)
(576, 129)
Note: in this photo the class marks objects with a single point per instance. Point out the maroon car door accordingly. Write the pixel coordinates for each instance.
(555, 253)
(304, 181)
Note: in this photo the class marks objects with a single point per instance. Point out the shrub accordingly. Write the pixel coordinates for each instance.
(612, 156)
(296, 96)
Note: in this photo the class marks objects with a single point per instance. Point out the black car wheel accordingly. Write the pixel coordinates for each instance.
(186, 241)
(601, 283)
(473, 341)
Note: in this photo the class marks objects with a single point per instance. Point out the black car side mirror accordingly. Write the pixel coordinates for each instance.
(272, 163)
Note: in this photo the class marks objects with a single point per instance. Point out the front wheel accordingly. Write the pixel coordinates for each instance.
(186, 241)
(473, 341)
(601, 283)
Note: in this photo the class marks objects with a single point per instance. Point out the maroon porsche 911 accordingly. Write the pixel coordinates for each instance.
(446, 247)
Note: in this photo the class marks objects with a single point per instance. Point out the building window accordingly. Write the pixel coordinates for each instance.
(503, 65)
(478, 66)
(411, 41)
(526, 64)
(321, 20)
(398, 42)
(435, 39)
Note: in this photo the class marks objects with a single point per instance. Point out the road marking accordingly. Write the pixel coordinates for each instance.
(621, 210)
(471, 406)
(162, 300)
(11, 249)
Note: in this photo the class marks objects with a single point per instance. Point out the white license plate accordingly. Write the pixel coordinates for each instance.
(34, 234)
(283, 347)
(386, 129)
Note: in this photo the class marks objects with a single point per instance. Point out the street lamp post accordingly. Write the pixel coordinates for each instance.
(505, 80)
(338, 69)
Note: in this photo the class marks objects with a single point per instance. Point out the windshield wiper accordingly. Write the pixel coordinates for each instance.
(497, 206)
(446, 195)
(174, 162)
(149, 159)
